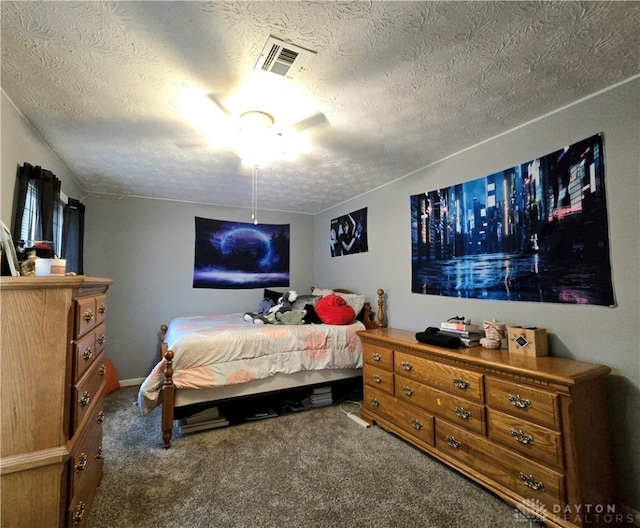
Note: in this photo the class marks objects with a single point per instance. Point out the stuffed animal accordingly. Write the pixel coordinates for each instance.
(259, 317)
(292, 317)
(285, 304)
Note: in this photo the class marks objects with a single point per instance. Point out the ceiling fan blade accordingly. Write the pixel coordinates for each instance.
(315, 120)
(216, 100)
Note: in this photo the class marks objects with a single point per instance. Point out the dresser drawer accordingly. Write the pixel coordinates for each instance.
(101, 308)
(78, 511)
(85, 315)
(534, 441)
(379, 378)
(86, 455)
(379, 402)
(531, 404)
(465, 383)
(414, 421)
(86, 393)
(378, 356)
(528, 479)
(465, 413)
(84, 354)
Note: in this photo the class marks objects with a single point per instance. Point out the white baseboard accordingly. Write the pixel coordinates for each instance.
(131, 382)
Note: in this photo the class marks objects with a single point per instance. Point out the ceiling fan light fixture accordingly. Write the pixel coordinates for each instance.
(258, 143)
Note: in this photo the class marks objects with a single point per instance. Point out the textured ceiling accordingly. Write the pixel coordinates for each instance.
(402, 84)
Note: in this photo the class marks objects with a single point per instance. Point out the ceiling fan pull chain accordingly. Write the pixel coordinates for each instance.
(254, 198)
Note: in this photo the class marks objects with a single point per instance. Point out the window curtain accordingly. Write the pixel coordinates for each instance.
(48, 192)
(73, 236)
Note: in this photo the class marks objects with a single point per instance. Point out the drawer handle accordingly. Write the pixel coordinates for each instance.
(102, 309)
(86, 398)
(375, 402)
(100, 417)
(78, 514)
(522, 437)
(102, 370)
(407, 390)
(518, 401)
(99, 454)
(102, 339)
(462, 413)
(416, 424)
(532, 482)
(377, 378)
(461, 383)
(88, 315)
(407, 366)
(86, 355)
(452, 442)
(82, 463)
(376, 356)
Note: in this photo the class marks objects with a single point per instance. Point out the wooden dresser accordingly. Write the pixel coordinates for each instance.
(532, 430)
(52, 378)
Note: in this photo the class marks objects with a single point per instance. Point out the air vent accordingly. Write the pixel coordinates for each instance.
(283, 59)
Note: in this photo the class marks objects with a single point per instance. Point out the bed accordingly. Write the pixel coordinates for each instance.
(213, 358)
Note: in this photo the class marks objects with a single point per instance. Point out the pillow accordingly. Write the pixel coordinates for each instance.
(355, 301)
(321, 292)
(303, 300)
(273, 295)
(334, 310)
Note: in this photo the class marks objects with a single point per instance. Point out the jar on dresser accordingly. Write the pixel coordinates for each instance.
(533, 430)
(52, 379)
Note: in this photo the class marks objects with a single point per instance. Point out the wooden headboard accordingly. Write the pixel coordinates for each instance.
(367, 317)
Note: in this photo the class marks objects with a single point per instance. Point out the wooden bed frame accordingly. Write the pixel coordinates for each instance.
(255, 387)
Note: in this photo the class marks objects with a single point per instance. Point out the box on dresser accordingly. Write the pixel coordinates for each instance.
(51, 391)
(533, 430)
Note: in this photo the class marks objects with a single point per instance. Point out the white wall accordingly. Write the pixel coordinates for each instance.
(589, 333)
(147, 248)
(20, 144)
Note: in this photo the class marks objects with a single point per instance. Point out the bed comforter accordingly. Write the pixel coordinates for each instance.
(215, 350)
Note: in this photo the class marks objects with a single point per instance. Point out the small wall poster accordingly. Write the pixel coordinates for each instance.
(534, 232)
(348, 234)
(237, 255)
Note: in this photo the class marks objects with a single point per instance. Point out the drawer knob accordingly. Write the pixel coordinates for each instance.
(102, 339)
(461, 383)
(374, 402)
(376, 356)
(99, 454)
(78, 514)
(407, 390)
(88, 315)
(102, 309)
(533, 483)
(377, 378)
(452, 442)
(82, 462)
(518, 401)
(407, 366)
(103, 370)
(86, 398)
(100, 417)
(88, 352)
(461, 412)
(522, 437)
(416, 424)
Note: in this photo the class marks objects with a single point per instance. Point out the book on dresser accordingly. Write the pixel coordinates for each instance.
(533, 431)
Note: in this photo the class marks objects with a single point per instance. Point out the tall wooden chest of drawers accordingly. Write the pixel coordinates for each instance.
(52, 379)
(532, 430)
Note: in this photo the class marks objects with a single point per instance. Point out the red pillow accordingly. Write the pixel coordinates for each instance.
(334, 310)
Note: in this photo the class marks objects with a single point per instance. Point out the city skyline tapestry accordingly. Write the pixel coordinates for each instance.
(535, 232)
(238, 255)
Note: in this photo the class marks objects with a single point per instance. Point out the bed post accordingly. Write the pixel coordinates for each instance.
(380, 314)
(168, 394)
(368, 320)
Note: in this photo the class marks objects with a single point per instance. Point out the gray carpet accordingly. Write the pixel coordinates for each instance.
(314, 468)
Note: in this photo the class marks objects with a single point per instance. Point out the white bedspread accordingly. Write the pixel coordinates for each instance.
(215, 350)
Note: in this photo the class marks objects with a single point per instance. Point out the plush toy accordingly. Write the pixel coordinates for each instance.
(285, 304)
(259, 317)
(292, 317)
